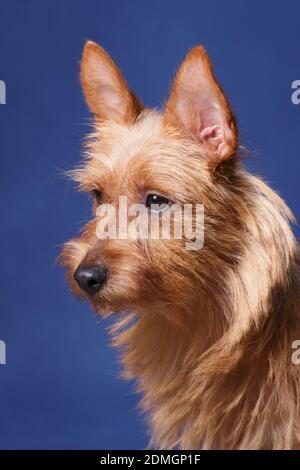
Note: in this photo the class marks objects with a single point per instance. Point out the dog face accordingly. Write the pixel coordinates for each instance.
(160, 161)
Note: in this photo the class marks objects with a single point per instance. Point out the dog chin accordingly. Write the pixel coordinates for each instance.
(105, 307)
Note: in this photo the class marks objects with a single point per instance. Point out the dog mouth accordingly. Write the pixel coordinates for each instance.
(96, 287)
(104, 305)
(109, 287)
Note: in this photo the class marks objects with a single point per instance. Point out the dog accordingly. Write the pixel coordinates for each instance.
(207, 334)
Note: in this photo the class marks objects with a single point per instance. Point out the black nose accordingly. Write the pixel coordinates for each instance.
(90, 278)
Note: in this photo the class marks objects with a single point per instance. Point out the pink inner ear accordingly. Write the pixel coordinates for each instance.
(211, 130)
(214, 136)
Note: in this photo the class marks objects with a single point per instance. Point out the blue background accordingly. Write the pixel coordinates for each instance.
(60, 387)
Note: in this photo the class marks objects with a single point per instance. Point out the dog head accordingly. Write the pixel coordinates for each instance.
(184, 156)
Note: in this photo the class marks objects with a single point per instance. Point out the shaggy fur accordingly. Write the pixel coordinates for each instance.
(206, 334)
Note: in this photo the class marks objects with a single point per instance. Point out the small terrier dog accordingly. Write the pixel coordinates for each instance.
(207, 334)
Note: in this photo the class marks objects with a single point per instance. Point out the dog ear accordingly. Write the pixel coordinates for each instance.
(104, 87)
(198, 105)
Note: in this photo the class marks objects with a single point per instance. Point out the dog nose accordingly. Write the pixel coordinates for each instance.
(90, 278)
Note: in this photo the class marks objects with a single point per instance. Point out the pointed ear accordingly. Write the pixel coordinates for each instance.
(104, 87)
(198, 105)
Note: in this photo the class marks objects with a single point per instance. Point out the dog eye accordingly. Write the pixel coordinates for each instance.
(97, 194)
(157, 203)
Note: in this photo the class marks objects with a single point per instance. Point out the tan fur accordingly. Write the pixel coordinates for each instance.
(207, 334)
